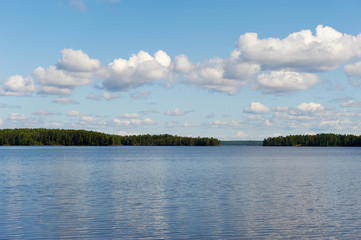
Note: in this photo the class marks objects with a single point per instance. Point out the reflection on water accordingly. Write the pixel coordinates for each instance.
(226, 192)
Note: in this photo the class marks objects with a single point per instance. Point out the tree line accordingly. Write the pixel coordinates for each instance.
(66, 137)
(323, 139)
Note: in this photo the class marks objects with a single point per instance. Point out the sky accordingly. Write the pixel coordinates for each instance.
(233, 70)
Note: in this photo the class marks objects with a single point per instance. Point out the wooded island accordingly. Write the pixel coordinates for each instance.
(324, 139)
(65, 137)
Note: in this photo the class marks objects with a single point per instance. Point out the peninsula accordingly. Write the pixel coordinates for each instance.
(66, 137)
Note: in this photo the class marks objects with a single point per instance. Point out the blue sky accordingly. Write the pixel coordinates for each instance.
(225, 69)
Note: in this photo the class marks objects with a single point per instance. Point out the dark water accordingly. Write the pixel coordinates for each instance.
(228, 192)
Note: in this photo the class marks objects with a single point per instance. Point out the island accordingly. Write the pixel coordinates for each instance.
(322, 139)
(68, 137)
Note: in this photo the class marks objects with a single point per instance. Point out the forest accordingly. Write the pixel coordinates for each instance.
(65, 137)
(323, 139)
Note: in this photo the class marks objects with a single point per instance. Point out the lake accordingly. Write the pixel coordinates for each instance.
(228, 192)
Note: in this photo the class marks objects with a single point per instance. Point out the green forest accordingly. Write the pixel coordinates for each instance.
(64, 137)
(323, 139)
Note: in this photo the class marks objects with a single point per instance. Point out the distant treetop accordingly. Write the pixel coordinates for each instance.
(323, 139)
(64, 137)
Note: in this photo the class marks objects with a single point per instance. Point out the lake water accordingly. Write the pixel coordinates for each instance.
(229, 192)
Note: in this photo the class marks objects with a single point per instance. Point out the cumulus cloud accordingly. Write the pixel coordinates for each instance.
(311, 117)
(77, 61)
(300, 51)
(94, 97)
(176, 112)
(74, 69)
(353, 69)
(216, 74)
(308, 109)
(17, 85)
(134, 122)
(73, 113)
(280, 109)
(271, 65)
(257, 108)
(43, 113)
(109, 96)
(306, 116)
(124, 133)
(130, 115)
(139, 69)
(278, 82)
(351, 103)
(284, 65)
(17, 116)
(60, 82)
(240, 134)
(65, 101)
(187, 124)
(87, 119)
(225, 124)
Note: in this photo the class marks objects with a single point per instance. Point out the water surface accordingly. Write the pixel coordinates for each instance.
(229, 192)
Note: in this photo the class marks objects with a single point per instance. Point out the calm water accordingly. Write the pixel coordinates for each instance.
(228, 192)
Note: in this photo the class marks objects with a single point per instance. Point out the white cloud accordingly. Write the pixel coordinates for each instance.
(54, 81)
(87, 119)
(225, 124)
(279, 82)
(216, 74)
(276, 135)
(94, 97)
(77, 61)
(74, 69)
(354, 69)
(257, 108)
(187, 124)
(290, 60)
(65, 101)
(340, 124)
(43, 113)
(351, 103)
(176, 112)
(73, 113)
(109, 96)
(135, 122)
(280, 109)
(300, 51)
(240, 134)
(1, 121)
(182, 64)
(123, 133)
(140, 69)
(130, 115)
(55, 90)
(17, 116)
(314, 117)
(18, 86)
(309, 108)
